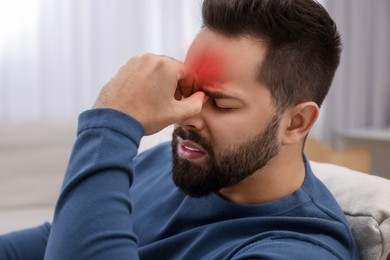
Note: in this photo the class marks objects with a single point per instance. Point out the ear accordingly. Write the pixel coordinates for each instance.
(298, 120)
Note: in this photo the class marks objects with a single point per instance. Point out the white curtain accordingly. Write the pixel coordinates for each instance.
(55, 55)
(360, 95)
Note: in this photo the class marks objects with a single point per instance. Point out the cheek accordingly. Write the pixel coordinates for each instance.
(225, 132)
(231, 130)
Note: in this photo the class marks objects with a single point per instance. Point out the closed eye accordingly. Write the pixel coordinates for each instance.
(221, 101)
(218, 106)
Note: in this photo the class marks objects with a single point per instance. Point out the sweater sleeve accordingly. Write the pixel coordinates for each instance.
(93, 213)
(28, 244)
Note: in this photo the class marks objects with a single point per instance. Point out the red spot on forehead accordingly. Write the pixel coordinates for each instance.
(207, 67)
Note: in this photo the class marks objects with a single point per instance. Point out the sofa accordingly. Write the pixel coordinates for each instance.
(33, 158)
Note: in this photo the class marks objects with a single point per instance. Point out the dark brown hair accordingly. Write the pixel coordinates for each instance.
(303, 44)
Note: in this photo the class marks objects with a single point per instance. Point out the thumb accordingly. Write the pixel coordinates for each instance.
(192, 105)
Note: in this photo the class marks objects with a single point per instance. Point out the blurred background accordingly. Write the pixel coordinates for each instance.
(55, 56)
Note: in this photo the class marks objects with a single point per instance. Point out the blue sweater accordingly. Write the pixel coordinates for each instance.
(116, 205)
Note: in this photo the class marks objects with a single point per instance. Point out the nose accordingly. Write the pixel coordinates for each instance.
(194, 123)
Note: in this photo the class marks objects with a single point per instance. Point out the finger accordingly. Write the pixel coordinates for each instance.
(192, 105)
(186, 82)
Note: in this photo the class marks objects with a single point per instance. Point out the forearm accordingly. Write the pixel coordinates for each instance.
(92, 217)
(25, 244)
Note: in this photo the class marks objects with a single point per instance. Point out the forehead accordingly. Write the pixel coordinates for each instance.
(238, 58)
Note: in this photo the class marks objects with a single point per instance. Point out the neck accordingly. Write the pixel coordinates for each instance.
(282, 176)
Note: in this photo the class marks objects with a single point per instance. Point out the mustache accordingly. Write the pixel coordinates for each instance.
(194, 137)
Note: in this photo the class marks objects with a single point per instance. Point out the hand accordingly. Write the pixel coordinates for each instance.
(150, 89)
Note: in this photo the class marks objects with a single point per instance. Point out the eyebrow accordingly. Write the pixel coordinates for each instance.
(219, 95)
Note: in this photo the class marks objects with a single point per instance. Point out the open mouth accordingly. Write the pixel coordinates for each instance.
(189, 150)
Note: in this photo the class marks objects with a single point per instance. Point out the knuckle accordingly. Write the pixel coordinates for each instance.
(160, 63)
(133, 59)
(148, 56)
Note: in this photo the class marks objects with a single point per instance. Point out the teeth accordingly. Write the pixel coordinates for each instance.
(192, 149)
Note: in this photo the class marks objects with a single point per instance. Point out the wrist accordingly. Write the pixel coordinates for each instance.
(113, 119)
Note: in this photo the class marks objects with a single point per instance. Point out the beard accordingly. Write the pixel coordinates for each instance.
(226, 169)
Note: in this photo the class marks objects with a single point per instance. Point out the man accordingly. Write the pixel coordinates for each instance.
(234, 183)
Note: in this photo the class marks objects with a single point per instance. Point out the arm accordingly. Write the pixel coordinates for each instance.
(93, 214)
(25, 244)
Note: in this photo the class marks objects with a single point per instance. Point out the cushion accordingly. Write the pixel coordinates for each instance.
(365, 200)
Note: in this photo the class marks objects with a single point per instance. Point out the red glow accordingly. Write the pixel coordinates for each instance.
(207, 67)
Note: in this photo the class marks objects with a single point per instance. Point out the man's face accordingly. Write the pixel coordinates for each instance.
(236, 133)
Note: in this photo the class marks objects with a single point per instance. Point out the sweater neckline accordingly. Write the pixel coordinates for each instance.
(277, 207)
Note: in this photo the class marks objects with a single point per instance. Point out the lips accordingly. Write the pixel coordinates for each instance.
(189, 150)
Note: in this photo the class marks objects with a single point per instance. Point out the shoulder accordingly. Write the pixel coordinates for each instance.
(321, 197)
(153, 165)
(159, 154)
(294, 247)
